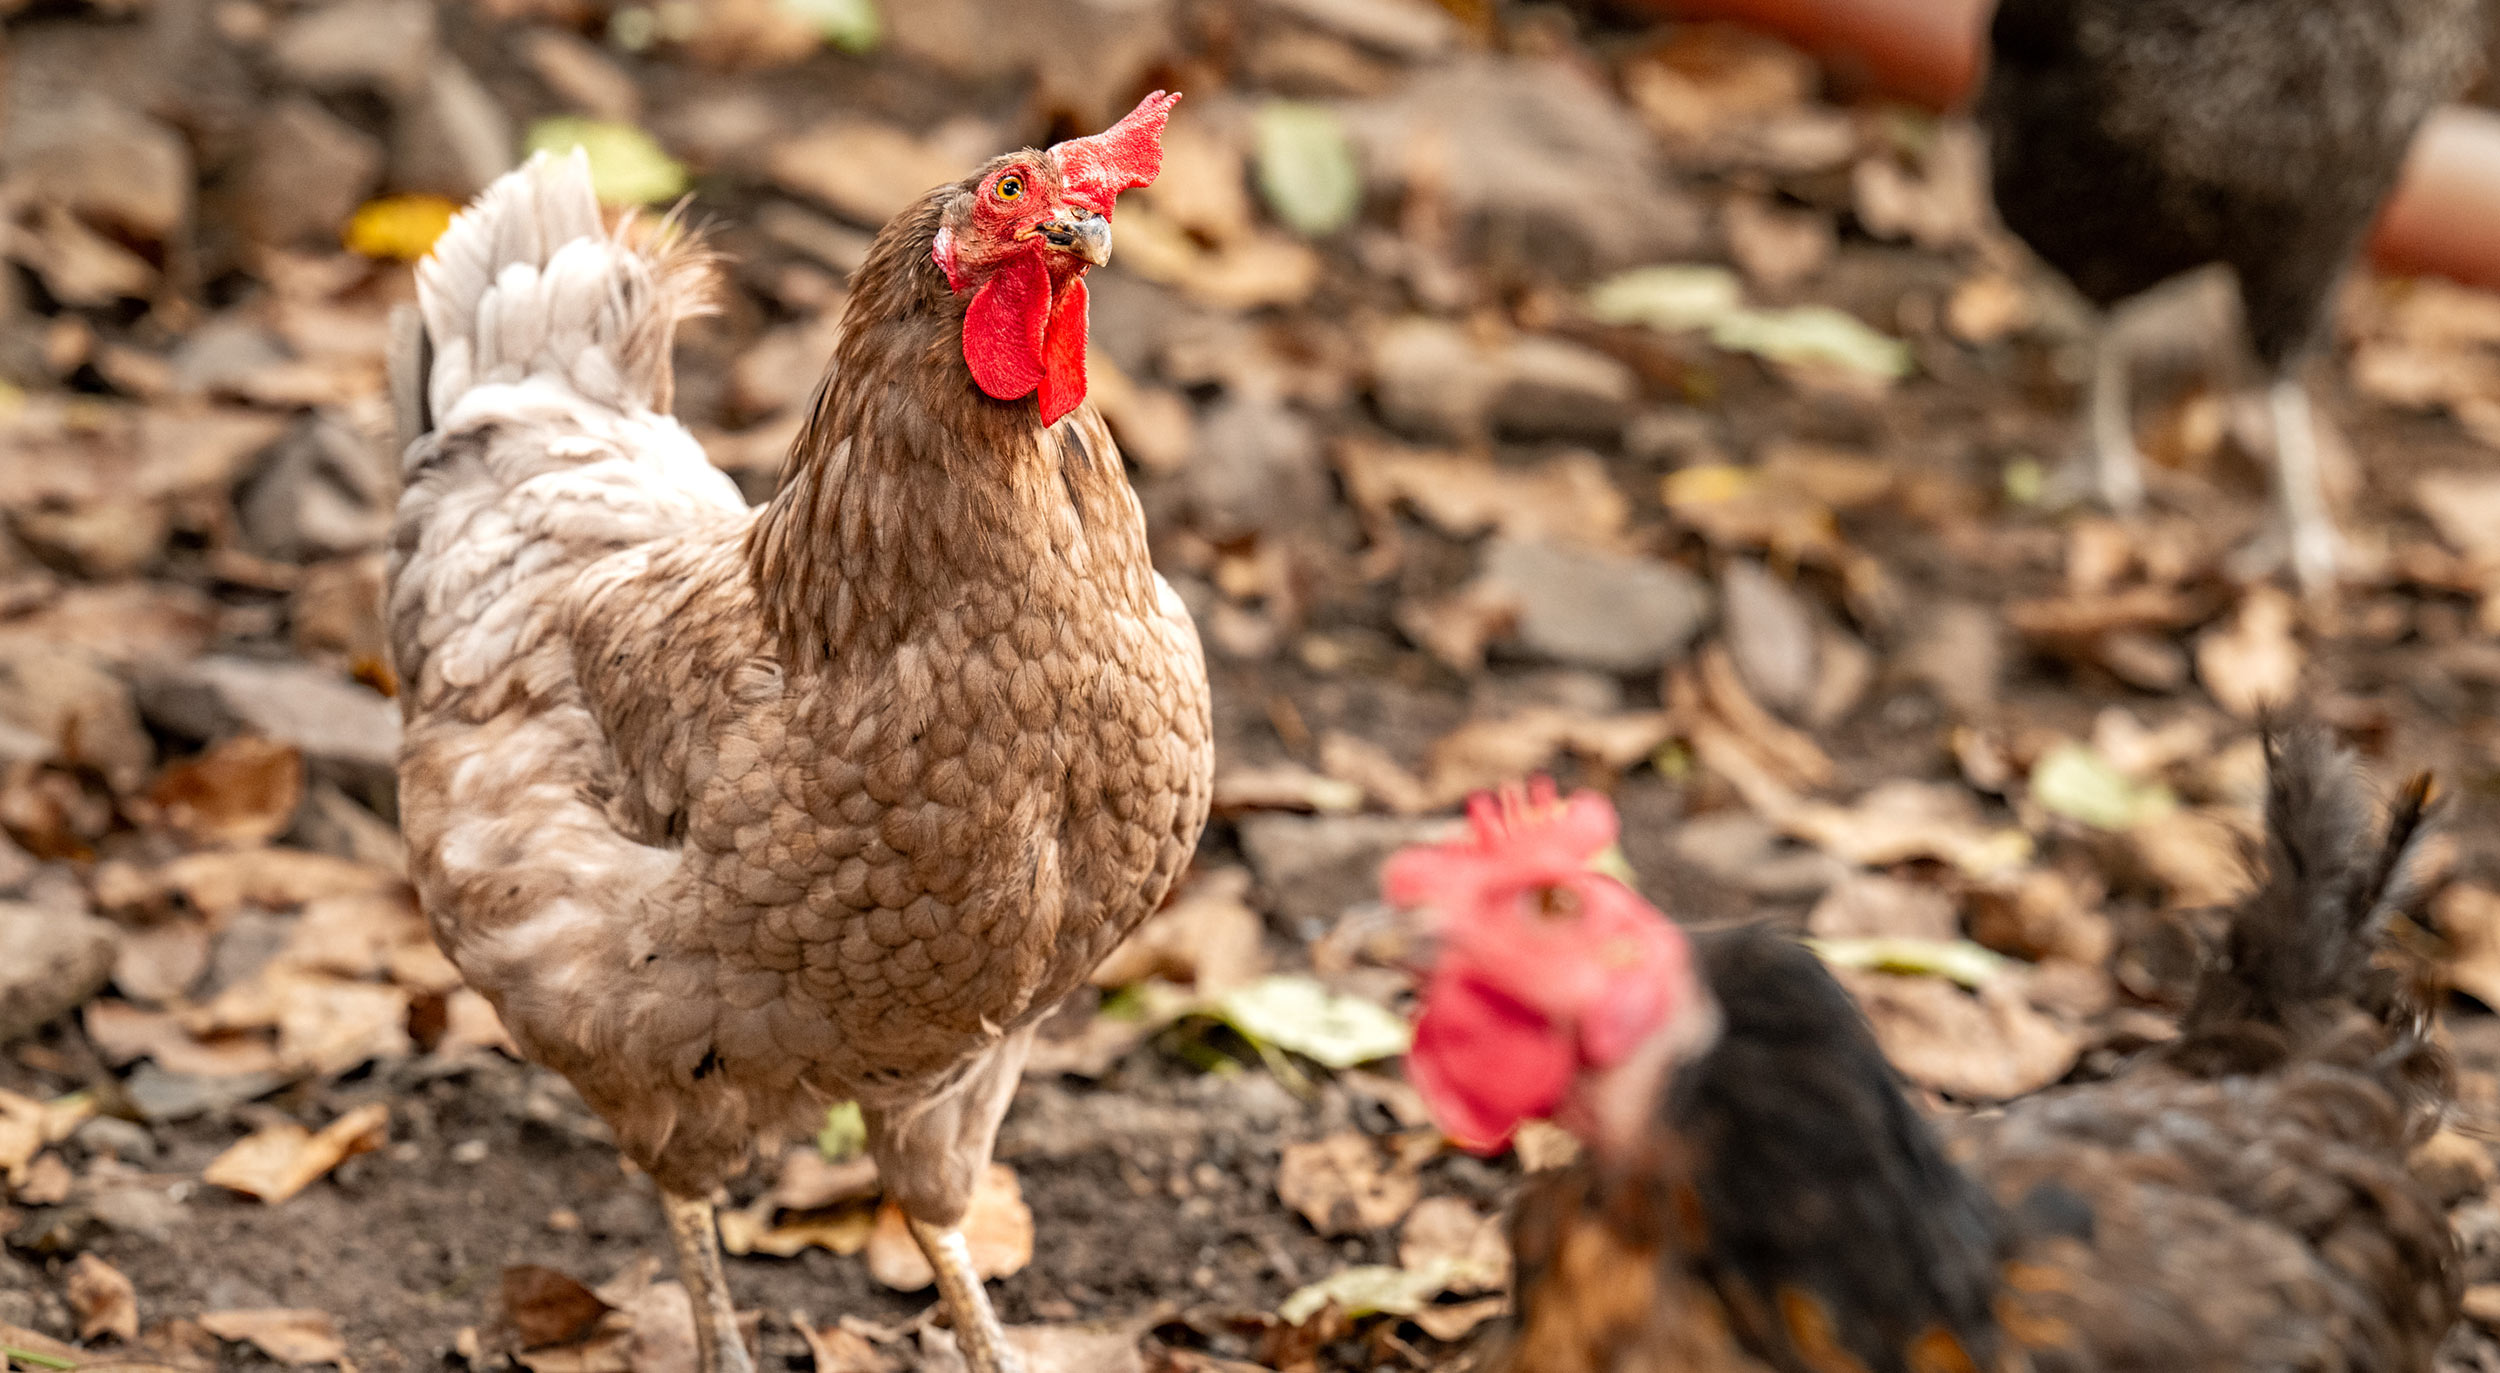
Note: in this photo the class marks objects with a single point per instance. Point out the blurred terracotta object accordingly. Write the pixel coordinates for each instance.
(2443, 220)
(1922, 50)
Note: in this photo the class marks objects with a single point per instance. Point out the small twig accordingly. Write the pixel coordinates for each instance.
(28, 1356)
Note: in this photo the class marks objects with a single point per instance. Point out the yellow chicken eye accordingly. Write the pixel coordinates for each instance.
(1010, 187)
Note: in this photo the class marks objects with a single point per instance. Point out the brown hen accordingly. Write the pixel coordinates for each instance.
(737, 812)
(1758, 1194)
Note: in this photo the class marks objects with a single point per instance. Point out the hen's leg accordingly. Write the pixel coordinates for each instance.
(931, 1154)
(718, 1346)
(2116, 468)
(977, 1331)
(2300, 486)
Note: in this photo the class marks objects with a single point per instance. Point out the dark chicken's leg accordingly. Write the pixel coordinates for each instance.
(2110, 458)
(718, 1346)
(2300, 486)
(978, 1334)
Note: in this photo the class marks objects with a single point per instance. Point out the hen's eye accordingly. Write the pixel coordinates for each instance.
(1554, 903)
(1010, 187)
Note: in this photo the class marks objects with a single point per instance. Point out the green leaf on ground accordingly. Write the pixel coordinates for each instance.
(1296, 1013)
(627, 166)
(1306, 168)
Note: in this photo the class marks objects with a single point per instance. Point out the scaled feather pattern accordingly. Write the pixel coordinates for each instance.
(734, 812)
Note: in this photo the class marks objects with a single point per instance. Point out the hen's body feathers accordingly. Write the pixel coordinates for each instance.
(734, 812)
(2239, 1202)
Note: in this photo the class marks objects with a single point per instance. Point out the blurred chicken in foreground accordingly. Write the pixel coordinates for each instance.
(2134, 140)
(1756, 1193)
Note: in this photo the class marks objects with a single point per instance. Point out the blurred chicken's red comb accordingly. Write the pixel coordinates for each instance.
(1123, 157)
(1519, 827)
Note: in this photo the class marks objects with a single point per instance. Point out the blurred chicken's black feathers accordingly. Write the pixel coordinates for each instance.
(2298, 951)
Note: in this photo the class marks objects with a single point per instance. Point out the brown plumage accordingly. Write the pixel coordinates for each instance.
(734, 813)
(2238, 1201)
(2133, 140)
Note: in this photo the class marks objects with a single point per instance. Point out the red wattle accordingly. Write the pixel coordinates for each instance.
(1483, 1063)
(1004, 327)
(1063, 355)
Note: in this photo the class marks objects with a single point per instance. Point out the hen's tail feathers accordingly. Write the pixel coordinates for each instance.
(527, 282)
(2299, 950)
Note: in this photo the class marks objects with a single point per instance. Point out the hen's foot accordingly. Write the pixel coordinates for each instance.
(718, 1346)
(978, 1334)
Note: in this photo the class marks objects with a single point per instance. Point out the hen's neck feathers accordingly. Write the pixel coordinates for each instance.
(908, 482)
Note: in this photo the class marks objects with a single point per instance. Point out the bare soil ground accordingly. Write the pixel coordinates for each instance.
(1451, 501)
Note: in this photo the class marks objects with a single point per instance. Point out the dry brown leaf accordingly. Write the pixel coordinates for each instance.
(1491, 752)
(1988, 1045)
(124, 1032)
(1895, 822)
(1207, 937)
(1454, 1320)
(160, 962)
(1459, 627)
(1874, 906)
(48, 1181)
(2040, 915)
(2200, 857)
(1543, 1146)
(998, 1228)
(326, 1025)
(2082, 618)
(358, 934)
(1471, 1250)
(27, 1125)
(1346, 1183)
(1987, 307)
(1789, 750)
(2468, 918)
(241, 791)
(1047, 1349)
(868, 171)
(294, 1338)
(2253, 662)
(1776, 248)
(837, 1350)
(2465, 508)
(811, 1182)
(544, 1306)
(278, 1161)
(216, 885)
(1568, 498)
(1256, 270)
(1360, 763)
(103, 1299)
(36, 1342)
(758, 1229)
(1283, 786)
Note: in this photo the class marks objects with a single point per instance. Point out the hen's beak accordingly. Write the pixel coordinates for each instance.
(1081, 231)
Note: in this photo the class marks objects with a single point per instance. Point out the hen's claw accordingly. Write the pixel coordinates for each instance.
(978, 1335)
(719, 1348)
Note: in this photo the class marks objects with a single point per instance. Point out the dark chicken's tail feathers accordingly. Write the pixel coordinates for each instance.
(2298, 954)
(529, 283)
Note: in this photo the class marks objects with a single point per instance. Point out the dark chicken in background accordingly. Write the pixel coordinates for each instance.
(2134, 140)
(1757, 1193)
(736, 812)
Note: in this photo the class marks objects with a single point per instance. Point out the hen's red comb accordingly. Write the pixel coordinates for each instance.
(1513, 829)
(1123, 157)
